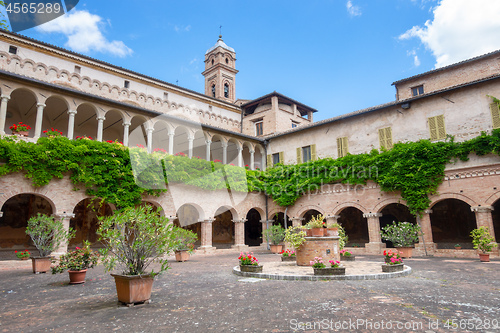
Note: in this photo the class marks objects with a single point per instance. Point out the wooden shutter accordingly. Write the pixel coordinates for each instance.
(339, 147)
(440, 127)
(433, 128)
(495, 115)
(345, 146)
(313, 152)
(388, 137)
(269, 161)
(299, 155)
(282, 157)
(381, 138)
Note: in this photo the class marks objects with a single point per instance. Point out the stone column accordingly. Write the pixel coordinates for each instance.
(484, 218)
(3, 112)
(375, 245)
(240, 157)
(263, 165)
(39, 120)
(206, 236)
(297, 221)
(171, 143)
(208, 143)
(264, 228)
(149, 132)
(100, 124)
(331, 219)
(190, 145)
(252, 159)
(126, 129)
(64, 217)
(71, 123)
(224, 152)
(239, 235)
(425, 225)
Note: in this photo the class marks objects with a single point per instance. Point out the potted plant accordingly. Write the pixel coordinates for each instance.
(47, 234)
(316, 225)
(458, 247)
(52, 133)
(403, 235)
(249, 263)
(346, 255)
(184, 243)
(20, 129)
(320, 268)
(295, 236)
(77, 262)
(288, 255)
(483, 242)
(275, 235)
(135, 238)
(332, 229)
(393, 262)
(23, 255)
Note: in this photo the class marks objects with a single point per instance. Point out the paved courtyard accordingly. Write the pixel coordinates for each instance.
(202, 295)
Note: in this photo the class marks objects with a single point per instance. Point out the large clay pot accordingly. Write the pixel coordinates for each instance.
(181, 256)
(41, 264)
(484, 257)
(405, 252)
(251, 268)
(133, 288)
(317, 232)
(77, 277)
(330, 232)
(276, 248)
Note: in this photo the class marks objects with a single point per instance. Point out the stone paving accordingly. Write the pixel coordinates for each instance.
(202, 295)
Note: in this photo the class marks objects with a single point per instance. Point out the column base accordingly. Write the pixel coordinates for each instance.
(241, 247)
(374, 248)
(206, 249)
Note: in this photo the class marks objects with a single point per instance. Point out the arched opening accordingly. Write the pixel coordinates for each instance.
(309, 215)
(226, 89)
(181, 143)
(21, 107)
(223, 229)
(188, 218)
(495, 214)
(16, 213)
(452, 222)
(216, 149)
(199, 145)
(137, 132)
(355, 226)
(279, 219)
(86, 221)
(160, 137)
(232, 152)
(253, 228)
(395, 212)
(259, 153)
(246, 155)
(113, 126)
(86, 121)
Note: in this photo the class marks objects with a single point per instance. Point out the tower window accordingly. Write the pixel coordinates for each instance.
(259, 129)
(126, 84)
(212, 62)
(213, 90)
(12, 49)
(226, 90)
(227, 61)
(417, 90)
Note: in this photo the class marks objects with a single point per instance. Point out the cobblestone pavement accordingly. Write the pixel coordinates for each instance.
(202, 295)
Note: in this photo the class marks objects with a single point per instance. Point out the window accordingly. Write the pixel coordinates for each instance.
(259, 128)
(385, 137)
(213, 90)
(495, 115)
(273, 159)
(212, 62)
(126, 84)
(436, 128)
(294, 124)
(78, 69)
(342, 146)
(415, 91)
(226, 90)
(12, 49)
(165, 96)
(306, 154)
(227, 61)
(276, 158)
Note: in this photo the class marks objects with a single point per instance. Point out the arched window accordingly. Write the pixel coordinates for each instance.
(212, 62)
(226, 90)
(213, 90)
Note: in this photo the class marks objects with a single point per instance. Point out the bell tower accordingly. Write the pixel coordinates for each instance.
(220, 72)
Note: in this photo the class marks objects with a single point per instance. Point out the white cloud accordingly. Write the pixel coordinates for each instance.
(182, 28)
(353, 10)
(84, 33)
(416, 60)
(460, 29)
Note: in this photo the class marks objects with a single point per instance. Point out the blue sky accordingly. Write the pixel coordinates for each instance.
(336, 56)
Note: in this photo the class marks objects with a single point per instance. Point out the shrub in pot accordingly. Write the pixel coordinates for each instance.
(275, 235)
(134, 238)
(47, 235)
(77, 262)
(403, 235)
(483, 242)
(184, 243)
(316, 225)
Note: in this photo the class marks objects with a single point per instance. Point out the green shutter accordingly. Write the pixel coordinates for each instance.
(388, 137)
(282, 157)
(299, 155)
(381, 138)
(345, 146)
(440, 127)
(269, 161)
(433, 128)
(313, 152)
(339, 147)
(495, 115)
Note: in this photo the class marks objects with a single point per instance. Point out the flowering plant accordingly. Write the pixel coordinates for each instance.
(334, 263)
(316, 222)
(401, 234)
(77, 260)
(287, 253)
(317, 263)
(345, 253)
(180, 154)
(52, 132)
(16, 128)
(248, 259)
(395, 260)
(23, 254)
(392, 258)
(84, 138)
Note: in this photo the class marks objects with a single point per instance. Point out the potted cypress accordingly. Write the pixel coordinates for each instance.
(275, 235)
(135, 238)
(47, 235)
(483, 242)
(403, 235)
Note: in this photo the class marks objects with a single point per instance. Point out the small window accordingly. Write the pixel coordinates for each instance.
(276, 158)
(385, 137)
(259, 128)
(227, 61)
(226, 90)
(213, 90)
(294, 124)
(417, 90)
(306, 154)
(126, 84)
(78, 69)
(165, 96)
(436, 128)
(12, 49)
(342, 147)
(212, 62)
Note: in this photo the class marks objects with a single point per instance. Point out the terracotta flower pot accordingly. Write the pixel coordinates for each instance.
(308, 232)
(21, 133)
(41, 264)
(133, 288)
(181, 256)
(77, 277)
(405, 252)
(317, 232)
(276, 248)
(484, 257)
(251, 268)
(330, 232)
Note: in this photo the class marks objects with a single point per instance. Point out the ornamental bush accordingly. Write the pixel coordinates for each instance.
(401, 234)
(47, 233)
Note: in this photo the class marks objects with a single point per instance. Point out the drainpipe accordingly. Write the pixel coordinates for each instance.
(267, 198)
(241, 122)
(286, 224)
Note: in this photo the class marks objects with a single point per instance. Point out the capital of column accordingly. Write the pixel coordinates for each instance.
(224, 144)
(171, 218)
(209, 220)
(428, 211)
(41, 105)
(5, 98)
(150, 130)
(297, 219)
(72, 112)
(126, 124)
(240, 149)
(63, 215)
(265, 221)
(252, 151)
(208, 142)
(482, 209)
(240, 221)
(1, 214)
(333, 216)
(369, 215)
(101, 118)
